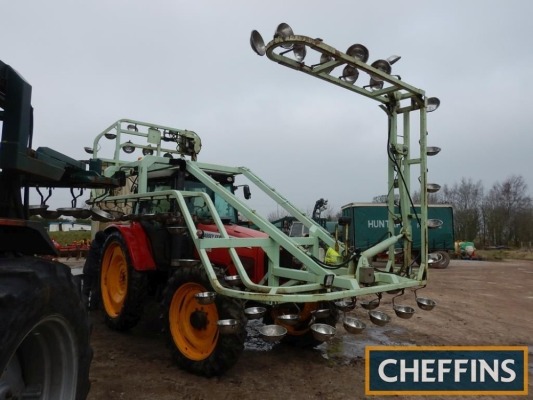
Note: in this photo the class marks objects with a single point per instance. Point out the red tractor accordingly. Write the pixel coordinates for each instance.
(149, 251)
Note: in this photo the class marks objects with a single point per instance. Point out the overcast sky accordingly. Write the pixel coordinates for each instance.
(188, 64)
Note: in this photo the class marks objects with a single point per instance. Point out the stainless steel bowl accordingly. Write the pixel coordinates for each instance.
(70, 211)
(434, 223)
(432, 187)
(228, 326)
(148, 217)
(254, 312)
(370, 305)
(353, 325)
(233, 280)
(323, 332)
(394, 291)
(38, 209)
(379, 318)
(85, 213)
(50, 214)
(345, 305)
(288, 319)
(425, 304)
(127, 217)
(205, 297)
(321, 313)
(404, 312)
(271, 333)
(116, 214)
(100, 215)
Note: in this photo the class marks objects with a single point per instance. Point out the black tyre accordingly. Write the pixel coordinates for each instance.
(91, 272)
(122, 289)
(300, 335)
(91, 288)
(192, 331)
(44, 332)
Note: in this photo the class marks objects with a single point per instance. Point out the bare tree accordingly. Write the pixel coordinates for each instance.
(380, 199)
(507, 211)
(503, 216)
(332, 213)
(278, 214)
(466, 198)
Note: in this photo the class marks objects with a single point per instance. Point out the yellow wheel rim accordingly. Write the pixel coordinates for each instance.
(114, 279)
(300, 328)
(193, 326)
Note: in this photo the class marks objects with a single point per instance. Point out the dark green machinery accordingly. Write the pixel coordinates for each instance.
(44, 333)
(369, 225)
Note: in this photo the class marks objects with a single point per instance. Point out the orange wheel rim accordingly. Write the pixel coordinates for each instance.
(114, 280)
(193, 326)
(300, 328)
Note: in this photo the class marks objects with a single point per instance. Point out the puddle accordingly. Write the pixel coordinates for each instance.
(77, 270)
(343, 349)
(347, 348)
(253, 340)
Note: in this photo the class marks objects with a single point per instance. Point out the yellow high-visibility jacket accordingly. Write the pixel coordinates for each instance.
(332, 257)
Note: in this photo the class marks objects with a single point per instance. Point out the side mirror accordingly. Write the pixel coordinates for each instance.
(247, 192)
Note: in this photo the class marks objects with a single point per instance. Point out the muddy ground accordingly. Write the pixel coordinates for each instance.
(478, 303)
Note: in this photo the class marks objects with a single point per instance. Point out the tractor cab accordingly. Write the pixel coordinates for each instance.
(174, 179)
(163, 241)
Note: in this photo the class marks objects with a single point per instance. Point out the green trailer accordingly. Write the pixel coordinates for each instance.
(369, 224)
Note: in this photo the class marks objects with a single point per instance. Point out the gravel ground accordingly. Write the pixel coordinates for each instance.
(478, 303)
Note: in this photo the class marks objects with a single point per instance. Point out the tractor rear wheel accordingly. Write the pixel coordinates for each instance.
(192, 330)
(44, 333)
(300, 335)
(122, 289)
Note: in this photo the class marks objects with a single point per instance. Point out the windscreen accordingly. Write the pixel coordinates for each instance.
(198, 207)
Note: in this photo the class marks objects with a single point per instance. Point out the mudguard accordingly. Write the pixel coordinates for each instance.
(252, 258)
(138, 244)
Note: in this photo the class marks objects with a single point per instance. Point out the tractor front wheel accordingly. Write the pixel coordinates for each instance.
(122, 289)
(192, 329)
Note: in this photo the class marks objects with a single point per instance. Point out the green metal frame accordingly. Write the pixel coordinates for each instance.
(282, 284)
(391, 98)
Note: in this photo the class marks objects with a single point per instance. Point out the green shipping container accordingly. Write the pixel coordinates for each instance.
(369, 225)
